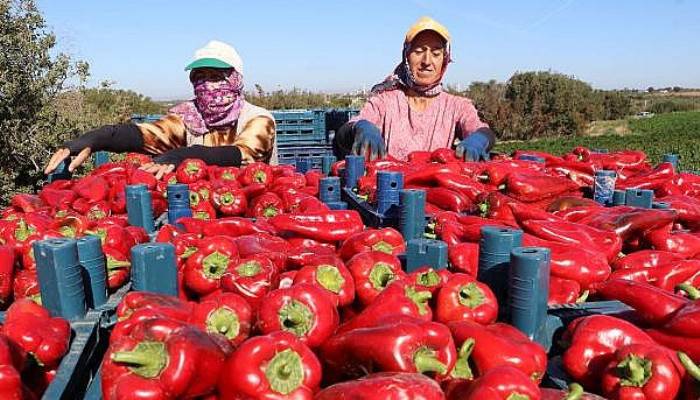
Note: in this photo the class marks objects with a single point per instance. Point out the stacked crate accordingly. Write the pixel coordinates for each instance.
(301, 134)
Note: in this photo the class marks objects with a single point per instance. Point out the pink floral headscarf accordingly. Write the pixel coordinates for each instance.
(216, 104)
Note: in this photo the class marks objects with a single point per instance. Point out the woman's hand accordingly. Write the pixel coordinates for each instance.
(159, 170)
(62, 154)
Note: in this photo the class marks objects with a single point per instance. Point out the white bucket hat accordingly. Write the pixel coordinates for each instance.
(216, 54)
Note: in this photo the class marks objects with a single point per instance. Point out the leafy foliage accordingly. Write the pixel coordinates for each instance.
(667, 133)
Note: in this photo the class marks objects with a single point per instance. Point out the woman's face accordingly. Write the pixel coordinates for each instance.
(426, 58)
(208, 74)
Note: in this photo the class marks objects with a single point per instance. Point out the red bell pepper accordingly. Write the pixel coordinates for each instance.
(399, 298)
(26, 285)
(230, 201)
(579, 235)
(227, 314)
(419, 156)
(653, 305)
(426, 175)
(385, 385)
(12, 361)
(216, 256)
(118, 268)
(266, 205)
(494, 205)
(372, 272)
(565, 291)
(232, 226)
(137, 176)
(629, 222)
(249, 245)
(32, 328)
(387, 240)
(204, 210)
(648, 179)
(399, 344)
(162, 359)
(59, 199)
(7, 274)
(686, 321)
(331, 275)
(593, 341)
(303, 309)
(329, 226)
(645, 259)
(426, 277)
(274, 366)
(496, 345)
(191, 170)
(169, 306)
(91, 188)
(301, 256)
(448, 199)
(569, 261)
(444, 156)
(642, 372)
(463, 298)
(464, 258)
(563, 203)
(114, 236)
(463, 184)
(27, 202)
(502, 383)
(681, 243)
(669, 276)
(530, 187)
(252, 278)
(688, 209)
(256, 172)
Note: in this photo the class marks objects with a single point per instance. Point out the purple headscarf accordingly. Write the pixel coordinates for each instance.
(216, 104)
(402, 76)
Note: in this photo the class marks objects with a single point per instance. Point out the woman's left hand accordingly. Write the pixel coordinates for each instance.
(158, 169)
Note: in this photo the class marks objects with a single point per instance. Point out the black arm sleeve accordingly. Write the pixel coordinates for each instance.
(343, 140)
(225, 156)
(115, 138)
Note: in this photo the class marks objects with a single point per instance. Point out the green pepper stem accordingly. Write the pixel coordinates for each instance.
(296, 317)
(575, 392)
(147, 359)
(692, 292)
(634, 371)
(224, 321)
(330, 278)
(583, 297)
(421, 298)
(383, 246)
(426, 361)
(471, 296)
(285, 372)
(461, 369)
(690, 366)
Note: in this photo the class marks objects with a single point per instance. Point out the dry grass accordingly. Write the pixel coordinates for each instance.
(614, 127)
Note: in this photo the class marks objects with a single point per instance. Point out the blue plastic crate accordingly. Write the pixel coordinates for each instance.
(370, 216)
(314, 152)
(300, 117)
(140, 118)
(108, 311)
(296, 137)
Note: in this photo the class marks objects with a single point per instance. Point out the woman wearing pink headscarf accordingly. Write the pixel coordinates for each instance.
(409, 111)
(217, 126)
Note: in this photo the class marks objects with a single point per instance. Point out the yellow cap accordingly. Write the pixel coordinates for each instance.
(426, 24)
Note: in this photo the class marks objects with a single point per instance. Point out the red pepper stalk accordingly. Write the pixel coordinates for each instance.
(643, 372)
(372, 272)
(332, 276)
(118, 268)
(428, 278)
(463, 298)
(266, 205)
(303, 309)
(399, 344)
(227, 314)
(385, 385)
(162, 359)
(230, 201)
(653, 305)
(256, 172)
(252, 278)
(32, 328)
(204, 269)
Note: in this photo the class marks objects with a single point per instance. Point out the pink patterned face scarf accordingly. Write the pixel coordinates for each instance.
(217, 103)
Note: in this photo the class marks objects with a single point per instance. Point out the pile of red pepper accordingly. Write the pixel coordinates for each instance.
(32, 344)
(305, 302)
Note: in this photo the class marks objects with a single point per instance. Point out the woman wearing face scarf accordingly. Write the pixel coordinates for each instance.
(409, 111)
(217, 126)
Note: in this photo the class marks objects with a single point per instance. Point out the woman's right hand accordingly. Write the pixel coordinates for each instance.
(62, 154)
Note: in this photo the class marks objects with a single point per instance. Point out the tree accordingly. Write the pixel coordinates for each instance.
(30, 78)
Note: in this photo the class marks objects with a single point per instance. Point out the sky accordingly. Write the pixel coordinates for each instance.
(338, 46)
